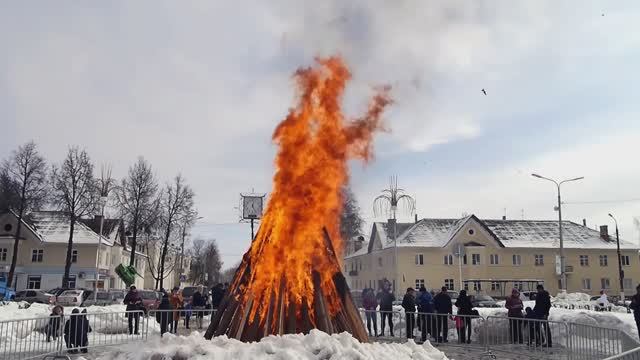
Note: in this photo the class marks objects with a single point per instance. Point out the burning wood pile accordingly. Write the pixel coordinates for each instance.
(290, 281)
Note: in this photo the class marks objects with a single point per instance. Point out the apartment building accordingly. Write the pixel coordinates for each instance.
(496, 255)
(43, 249)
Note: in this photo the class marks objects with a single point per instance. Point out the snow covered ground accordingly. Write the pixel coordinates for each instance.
(315, 345)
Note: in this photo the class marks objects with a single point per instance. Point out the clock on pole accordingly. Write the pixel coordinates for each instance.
(252, 205)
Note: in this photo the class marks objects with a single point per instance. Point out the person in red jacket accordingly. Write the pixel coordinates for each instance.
(370, 304)
(514, 306)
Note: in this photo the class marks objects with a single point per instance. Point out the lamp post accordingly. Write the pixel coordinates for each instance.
(620, 271)
(184, 234)
(103, 203)
(563, 274)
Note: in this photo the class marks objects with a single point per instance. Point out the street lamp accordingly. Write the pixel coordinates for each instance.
(563, 274)
(184, 234)
(620, 272)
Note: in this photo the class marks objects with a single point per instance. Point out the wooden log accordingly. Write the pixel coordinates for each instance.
(281, 307)
(227, 316)
(348, 306)
(243, 320)
(305, 321)
(251, 329)
(268, 321)
(319, 308)
(291, 317)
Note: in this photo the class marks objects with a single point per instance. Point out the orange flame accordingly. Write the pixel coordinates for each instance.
(315, 141)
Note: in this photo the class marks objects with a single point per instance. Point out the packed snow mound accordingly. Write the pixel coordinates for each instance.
(572, 297)
(315, 345)
(19, 310)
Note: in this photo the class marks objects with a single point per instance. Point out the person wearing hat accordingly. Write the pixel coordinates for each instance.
(176, 301)
(444, 308)
(514, 306)
(465, 308)
(133, 300)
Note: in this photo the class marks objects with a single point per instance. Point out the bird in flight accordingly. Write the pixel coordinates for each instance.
(484, 91)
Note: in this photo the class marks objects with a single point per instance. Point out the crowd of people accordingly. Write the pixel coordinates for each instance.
(430, 314)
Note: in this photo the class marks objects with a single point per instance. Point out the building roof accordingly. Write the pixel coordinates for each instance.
(507, 233)
(53, 227)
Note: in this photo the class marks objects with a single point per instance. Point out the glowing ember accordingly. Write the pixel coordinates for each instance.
(315, 142)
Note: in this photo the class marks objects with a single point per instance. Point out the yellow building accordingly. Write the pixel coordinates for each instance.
(493, 250)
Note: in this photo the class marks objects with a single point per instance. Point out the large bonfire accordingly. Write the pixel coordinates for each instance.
(290, 280)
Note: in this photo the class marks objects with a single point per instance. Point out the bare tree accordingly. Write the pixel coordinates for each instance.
(135, 198)
(8, 197)
(24, 178)
(213, 263)
(227, 274)
(175, 206)
(197, 270)
(350, 219)
(76, 192)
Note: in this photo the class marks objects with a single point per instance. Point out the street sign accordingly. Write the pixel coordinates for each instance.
(183, 278)
(459, 250)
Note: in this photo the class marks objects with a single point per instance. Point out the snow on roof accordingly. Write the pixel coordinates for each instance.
(544, 234)
(53, 227)
(509, 233)
(362, 251)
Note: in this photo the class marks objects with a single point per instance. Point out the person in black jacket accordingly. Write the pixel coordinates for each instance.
(635, 306)
(133, 300)
(84, 331)
(72, 335)
(443, 307)
(465, 308)
(386, 299)
(199, 302)
(409, 305)
(217, 294)
(164, 315)
(541, 311)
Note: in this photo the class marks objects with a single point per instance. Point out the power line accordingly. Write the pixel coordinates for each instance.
(600, 201)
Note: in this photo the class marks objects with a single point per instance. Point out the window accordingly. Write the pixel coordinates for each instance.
(72, 281)
(33, 282)
(36, 255)
(518, 285)
(477, 286)
(466, 286)
(604, 261)
(74, 256)
(584, 260)
(380, 261)
(419, 283)
(448, 259)
(627, 283)
(464, 259)
(448, 283)
(419, 259)
(605, 283)
(493, 259)
(475, 259)
(3, 254)
(517, 260)
(471, 232)
(586, 284)
(625, 260)
(539, 260)
(8, 227)
(495, 286)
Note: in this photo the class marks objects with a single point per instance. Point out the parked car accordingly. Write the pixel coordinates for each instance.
(35, 296)
(57, 291)
(187, 293)
(118, 295)
(150, 299)
(102, 298)
(483, 301)
(75, 297)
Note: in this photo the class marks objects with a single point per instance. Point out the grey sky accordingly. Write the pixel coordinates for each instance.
(198, 86)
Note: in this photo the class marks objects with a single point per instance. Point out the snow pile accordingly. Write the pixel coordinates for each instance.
(19, 310)
(315, 345)
(571, 298)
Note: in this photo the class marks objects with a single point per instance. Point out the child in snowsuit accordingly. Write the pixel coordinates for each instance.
(164, 315)
(187, 313)
(534, 327)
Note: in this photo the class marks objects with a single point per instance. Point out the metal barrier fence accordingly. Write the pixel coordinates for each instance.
(76, 333)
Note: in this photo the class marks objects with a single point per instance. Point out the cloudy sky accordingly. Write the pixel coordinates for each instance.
(197, 87)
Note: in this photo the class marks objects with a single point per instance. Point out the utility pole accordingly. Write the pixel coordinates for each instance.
(620, 271)
(563, 274)
(103, 203)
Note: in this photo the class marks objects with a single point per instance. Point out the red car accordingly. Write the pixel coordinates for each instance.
(150, 299)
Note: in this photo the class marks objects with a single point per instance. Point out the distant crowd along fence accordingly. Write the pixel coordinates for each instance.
(50, 336)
